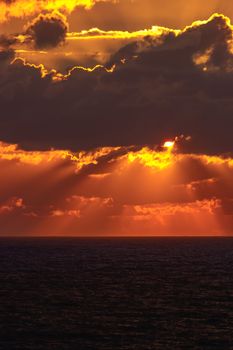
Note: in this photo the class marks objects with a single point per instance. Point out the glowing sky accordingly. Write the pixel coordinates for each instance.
(116, 117)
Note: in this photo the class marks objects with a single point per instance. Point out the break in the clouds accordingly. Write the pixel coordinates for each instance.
(159, 86)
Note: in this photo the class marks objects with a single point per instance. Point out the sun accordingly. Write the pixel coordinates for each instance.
(169, 144)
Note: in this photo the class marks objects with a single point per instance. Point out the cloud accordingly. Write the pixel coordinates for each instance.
(11, 205)
(85, 48)
(154, 31)
(6, 57)
(6, 41)
(47, 31)
(131, 15)
(25, 8)
(123, 191)
(160, 87)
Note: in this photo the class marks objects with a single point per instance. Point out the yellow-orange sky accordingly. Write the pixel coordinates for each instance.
(122, 14)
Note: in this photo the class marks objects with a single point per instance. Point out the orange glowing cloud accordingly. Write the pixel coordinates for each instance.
(55, 75)
(115, 191)
(154, 31)
(195, 218)
(81, 159)
(24, 8)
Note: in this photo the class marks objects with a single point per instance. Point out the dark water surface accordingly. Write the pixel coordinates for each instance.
(107, 294)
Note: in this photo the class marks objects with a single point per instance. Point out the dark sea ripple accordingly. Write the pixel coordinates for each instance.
(106, 294)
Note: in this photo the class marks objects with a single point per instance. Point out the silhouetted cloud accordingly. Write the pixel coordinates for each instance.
(47, 31)
(176, 83)
(6, 41)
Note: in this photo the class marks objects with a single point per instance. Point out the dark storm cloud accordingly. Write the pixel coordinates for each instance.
(182, 85)
(6, 56)
(48, 30)
(7, 41)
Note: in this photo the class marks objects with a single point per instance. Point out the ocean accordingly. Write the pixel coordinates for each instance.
(116, 293)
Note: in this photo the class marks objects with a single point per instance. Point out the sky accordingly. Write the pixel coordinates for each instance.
(116, 118)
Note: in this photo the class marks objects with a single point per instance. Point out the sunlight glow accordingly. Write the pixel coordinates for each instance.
(152, 158)
(132, 190)
(169, 144)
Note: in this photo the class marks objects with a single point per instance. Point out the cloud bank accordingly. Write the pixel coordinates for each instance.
(114, 191)
(157, 87)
